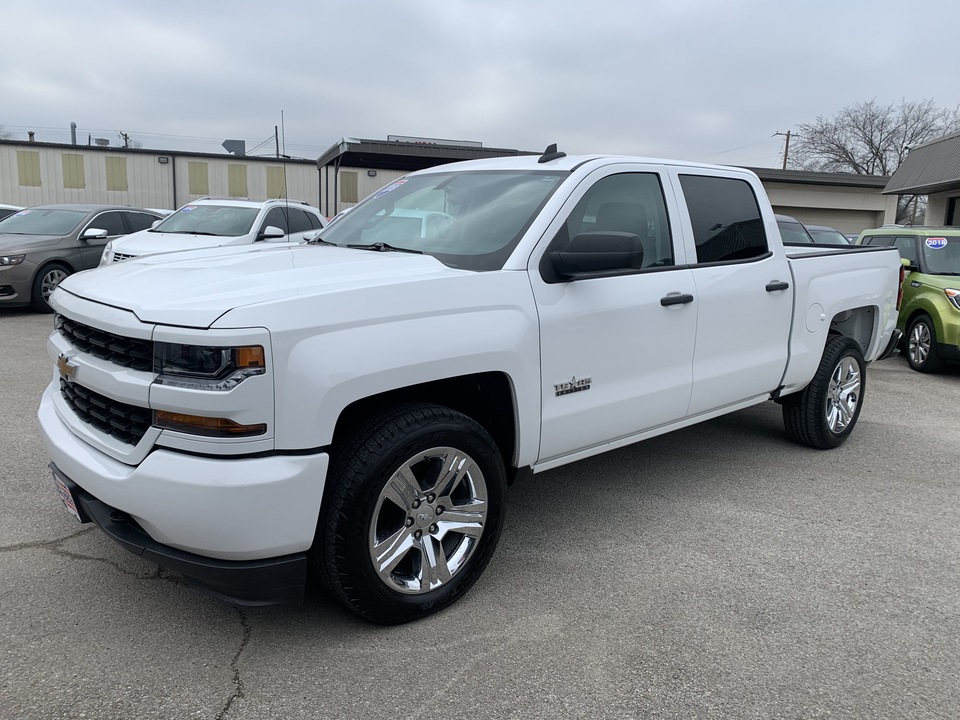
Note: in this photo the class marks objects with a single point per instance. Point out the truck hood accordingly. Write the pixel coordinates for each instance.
(193, 289)
(147, 242)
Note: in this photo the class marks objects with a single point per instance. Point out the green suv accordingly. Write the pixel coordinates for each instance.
(930, 311)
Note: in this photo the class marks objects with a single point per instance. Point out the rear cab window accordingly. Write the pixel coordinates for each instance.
(726, 220)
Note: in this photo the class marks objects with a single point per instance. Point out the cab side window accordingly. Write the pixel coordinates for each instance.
(725, 215)
(112, 222)
(908, 249)
(278, 218)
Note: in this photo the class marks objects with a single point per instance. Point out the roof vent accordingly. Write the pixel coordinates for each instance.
(551, 153)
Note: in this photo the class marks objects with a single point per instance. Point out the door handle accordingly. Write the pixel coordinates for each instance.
(776, 285)
(676, 299)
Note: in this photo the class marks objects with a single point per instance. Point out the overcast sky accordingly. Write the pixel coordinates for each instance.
(705, 80)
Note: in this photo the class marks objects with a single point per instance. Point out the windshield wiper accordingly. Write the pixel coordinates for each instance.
(384, 247)
(320, 241)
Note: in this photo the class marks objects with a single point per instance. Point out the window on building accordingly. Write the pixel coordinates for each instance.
(28, 168)
(73, 171)
(237, 180)
(276, 183)
(116, 173)
(199, 181)
(349, 192)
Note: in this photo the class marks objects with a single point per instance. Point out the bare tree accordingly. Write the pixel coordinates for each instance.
(871, 139)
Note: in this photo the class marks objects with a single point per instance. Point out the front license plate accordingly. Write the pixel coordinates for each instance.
(66, 497)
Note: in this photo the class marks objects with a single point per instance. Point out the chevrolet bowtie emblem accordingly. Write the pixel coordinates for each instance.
(67, 369)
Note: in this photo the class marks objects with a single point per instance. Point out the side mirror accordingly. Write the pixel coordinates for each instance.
(908, 265)
(598, 253)
(155, 223)
(93, 234)
(272, 232)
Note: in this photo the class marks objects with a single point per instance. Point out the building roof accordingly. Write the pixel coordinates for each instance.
(808, 177)
(406, 155)
(931, 167)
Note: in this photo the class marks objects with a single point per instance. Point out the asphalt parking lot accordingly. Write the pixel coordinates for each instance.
(718, 572)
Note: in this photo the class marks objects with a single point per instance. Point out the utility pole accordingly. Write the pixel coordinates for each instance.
(126, 139)
(786, 147)
(276, 140)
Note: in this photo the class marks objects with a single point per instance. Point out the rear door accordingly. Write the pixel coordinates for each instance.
(743, 292)
(616, 351)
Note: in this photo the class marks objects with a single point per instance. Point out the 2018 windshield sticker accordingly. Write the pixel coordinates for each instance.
(573, 386)
(936, 243)
(389, 188)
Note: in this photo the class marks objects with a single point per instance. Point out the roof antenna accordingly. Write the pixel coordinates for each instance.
(551, 154)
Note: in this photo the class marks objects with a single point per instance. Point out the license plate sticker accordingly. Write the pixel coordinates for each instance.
(66, 497)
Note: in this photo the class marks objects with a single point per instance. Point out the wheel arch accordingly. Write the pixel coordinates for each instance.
(488, 398)
(861, 324)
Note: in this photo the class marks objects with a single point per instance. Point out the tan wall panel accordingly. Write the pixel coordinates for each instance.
(237, 181)
(73, 175)
(116, 173)
(28, 168)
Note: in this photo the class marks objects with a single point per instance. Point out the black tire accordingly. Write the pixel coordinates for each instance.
(44, 283)
(824, 413)
(923, 354)
(440, 535)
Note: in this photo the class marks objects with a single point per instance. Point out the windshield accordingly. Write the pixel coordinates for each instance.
(942, 255)
(793, 232)
(40, 221)
(470, 220)
(220, 220)
(828, 236)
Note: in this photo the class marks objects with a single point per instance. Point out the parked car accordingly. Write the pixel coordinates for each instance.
(930, 312)
(215, 222)
(793, 232)
(42, 245)
(824, 235)
(7, 210)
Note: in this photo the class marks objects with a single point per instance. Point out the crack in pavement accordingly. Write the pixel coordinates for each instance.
(44, 544)
(235, 666)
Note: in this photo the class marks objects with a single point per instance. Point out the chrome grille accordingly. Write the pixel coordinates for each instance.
(124, 351)
(127, 423)
(117, 257)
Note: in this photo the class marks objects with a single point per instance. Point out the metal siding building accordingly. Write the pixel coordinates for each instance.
(44, 173)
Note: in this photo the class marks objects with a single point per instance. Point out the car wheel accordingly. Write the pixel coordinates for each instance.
(44, 283)
(411, 515)
(824, 413)
(922, 352)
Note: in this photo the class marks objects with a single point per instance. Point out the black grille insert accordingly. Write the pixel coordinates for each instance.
(127, 423)
(124, 351)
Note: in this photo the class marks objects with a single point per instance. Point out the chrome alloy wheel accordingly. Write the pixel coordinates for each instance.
(50, 281)
(918, 344)
(843, 394)
(428, 520)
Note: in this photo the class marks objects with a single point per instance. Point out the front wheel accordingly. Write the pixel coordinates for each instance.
(824, 413)
(922, 352)
(412, 514)
(44, 283)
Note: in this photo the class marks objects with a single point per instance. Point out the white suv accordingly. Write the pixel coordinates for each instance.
(214, 222)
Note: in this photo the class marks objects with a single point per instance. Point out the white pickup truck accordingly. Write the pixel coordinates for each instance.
(359, 405)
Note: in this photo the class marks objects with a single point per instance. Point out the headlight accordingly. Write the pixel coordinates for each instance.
(203, 367)
(107, 257)
(953, 296)
(11, 259)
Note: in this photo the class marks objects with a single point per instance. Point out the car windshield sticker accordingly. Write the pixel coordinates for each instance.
(22, 212)
(188, 208)
(936, 243)
(389, 188)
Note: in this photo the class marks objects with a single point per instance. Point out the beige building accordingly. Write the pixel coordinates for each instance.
(43, 173)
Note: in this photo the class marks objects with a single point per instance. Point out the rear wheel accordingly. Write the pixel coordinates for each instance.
(412, 514)
(824, 414)
(44, 283)
(922, 352)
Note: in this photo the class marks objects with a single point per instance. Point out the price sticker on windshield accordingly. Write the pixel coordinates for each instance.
(937, 243)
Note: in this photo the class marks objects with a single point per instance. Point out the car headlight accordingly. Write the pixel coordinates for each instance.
(953, 296)
(203, 367)
(11, 259)
(107, 257)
